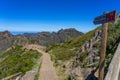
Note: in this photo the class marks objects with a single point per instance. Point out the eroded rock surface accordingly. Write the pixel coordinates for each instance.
(91, 50)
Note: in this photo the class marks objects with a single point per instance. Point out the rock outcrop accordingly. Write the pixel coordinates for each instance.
(91, 50)
(5, 40)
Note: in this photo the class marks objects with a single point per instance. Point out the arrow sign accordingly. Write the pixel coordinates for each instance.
(104, 19)
(109, 17)
(100, 19)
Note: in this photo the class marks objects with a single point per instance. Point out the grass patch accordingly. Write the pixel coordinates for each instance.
(37, 75)
(68, 49)
(18, 60)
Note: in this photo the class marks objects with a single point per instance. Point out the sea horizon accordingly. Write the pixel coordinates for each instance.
(21, 32)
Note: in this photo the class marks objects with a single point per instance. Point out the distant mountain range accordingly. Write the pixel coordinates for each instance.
(7, 39)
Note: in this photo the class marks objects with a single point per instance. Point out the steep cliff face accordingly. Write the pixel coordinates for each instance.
(87, 58)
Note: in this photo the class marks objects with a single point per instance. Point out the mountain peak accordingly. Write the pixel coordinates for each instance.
(5, 33)
(69, 30)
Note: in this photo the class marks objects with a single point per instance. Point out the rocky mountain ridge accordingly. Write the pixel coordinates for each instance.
(6, 39)
(43, 38)
(47, 38)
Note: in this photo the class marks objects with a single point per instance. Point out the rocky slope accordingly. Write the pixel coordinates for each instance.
(78, 58)
(5, 40)
(74, 55)
(87, 57)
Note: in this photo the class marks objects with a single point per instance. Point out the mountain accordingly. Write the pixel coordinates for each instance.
(47, 38)
(43, 38)
(14, 53)
(6, 39)
(78, 58)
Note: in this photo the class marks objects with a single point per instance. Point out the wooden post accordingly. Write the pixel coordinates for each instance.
(104, 19)
(103, 51)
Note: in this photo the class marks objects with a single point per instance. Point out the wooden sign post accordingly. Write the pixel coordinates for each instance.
(104, 19)
(103, 51)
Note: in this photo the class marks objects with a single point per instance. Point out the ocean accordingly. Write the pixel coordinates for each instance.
(20, 33)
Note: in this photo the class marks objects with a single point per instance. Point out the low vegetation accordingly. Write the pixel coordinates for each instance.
(17, 60)
(68, 49)
(37, 74)
(112, 41)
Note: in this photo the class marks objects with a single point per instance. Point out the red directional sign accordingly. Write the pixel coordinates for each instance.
(104, 19)
(109, 17)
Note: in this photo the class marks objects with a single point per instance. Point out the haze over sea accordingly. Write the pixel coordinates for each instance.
(17, 33)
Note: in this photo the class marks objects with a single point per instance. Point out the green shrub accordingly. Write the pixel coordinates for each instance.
(17, 60)
(69, 48)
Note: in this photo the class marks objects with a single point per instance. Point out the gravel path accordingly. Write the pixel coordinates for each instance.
(47, 71)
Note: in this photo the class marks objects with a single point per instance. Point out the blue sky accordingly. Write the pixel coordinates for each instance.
(52, 15)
